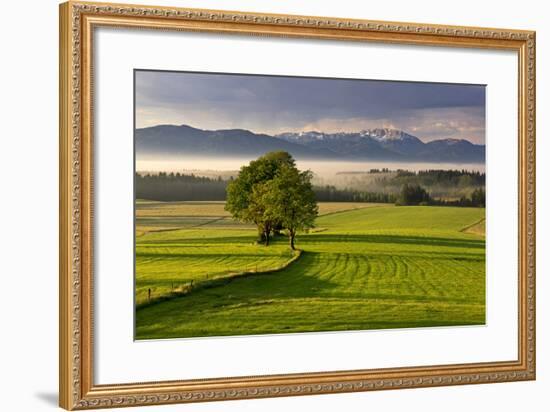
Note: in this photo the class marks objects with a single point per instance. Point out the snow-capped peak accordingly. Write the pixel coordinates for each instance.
(312, 134)
(303, 136)
(382, 135)
(387, 134)
(453, 141)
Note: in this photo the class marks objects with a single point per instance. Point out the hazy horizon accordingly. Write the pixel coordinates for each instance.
(323, 168)
(275, 104)
(282, 132)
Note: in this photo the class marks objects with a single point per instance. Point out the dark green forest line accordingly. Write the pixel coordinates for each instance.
(404, 188)
(429, 178)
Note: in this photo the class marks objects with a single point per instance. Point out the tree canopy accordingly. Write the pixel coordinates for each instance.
(413, 195)
(273, 194)
(239, 191)
(290, 201)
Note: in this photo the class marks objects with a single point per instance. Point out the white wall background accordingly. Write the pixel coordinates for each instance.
(29, 188)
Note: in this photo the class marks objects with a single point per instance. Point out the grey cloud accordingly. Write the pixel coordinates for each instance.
(269, 103)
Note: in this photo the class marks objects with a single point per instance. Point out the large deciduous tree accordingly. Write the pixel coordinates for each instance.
(273, 194)
(244, 203)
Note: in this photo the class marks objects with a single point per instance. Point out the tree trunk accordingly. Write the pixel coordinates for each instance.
(291, 235)
(266, 235)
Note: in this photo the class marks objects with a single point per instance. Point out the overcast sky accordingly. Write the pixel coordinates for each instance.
(269, 104)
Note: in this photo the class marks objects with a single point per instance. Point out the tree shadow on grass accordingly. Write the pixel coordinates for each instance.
(328, 238)
(397, 239)
(303, 283)
(284, 283)
(204, 241)
(179, 255)
(308, 277)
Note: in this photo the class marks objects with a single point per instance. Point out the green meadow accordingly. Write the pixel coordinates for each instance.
(364, 266)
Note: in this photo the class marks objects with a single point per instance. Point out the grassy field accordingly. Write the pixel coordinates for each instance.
(365, 266)
(159, 216)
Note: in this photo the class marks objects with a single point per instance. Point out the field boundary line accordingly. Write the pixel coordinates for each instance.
(217, 282)
(356, 208)
(465, 228)
(171, 229)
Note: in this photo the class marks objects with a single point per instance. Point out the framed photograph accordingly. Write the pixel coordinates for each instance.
(257, 205)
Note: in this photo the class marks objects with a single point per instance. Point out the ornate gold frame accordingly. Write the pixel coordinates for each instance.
(77, 22)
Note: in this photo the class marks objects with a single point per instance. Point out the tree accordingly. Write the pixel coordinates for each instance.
(290, 200)
(413, 195)
(244, 198)
(478, 197)
(257, 210)
(274, 195)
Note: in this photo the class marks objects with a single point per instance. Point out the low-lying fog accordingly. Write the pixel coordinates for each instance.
(372, 177)
(323, 169)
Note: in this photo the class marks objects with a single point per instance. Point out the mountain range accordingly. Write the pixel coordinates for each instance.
(373, 144)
